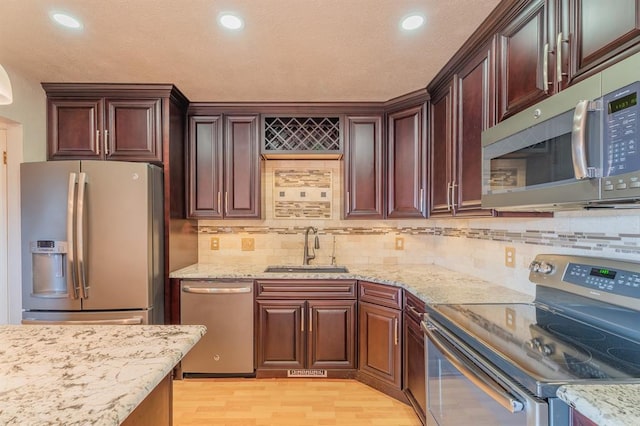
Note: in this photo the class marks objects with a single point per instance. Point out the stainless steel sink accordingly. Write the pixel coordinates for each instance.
(309, 269)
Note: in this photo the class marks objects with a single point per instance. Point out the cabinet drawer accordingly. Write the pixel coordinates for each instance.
(414, 307)
(307, 289)
(381, 294)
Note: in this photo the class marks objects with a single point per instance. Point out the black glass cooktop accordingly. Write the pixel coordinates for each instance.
(543, 347)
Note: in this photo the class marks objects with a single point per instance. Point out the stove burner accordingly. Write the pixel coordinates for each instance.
(577, 332)
(627, 355)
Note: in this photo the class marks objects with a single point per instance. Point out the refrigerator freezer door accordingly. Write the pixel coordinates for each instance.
(117, 251)
(45, 214)
(70, 318)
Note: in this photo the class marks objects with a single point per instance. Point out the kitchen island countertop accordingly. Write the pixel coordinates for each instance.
(83, 374)
(606, 405)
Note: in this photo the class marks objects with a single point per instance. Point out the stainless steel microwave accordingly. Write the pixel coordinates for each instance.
(577, 149)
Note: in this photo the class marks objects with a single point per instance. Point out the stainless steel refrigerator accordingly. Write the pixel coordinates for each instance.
(92, 242)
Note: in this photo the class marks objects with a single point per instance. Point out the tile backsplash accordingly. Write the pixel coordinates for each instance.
(473, 246)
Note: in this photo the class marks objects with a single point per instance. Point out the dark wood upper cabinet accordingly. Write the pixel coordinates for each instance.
(125, 125)
(524, 59)
(460, 111)
(441, 142)
(205, 167)
(224, 167)
(363, 168)
(242, 167)
(406, 158)
(133, 130)
(598, 33)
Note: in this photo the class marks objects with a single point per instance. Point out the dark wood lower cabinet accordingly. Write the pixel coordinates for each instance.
(306, 334)
(413, 367)
(578, 419)
(381, 348)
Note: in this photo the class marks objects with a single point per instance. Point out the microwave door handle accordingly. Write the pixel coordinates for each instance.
(474, 374)
(72, 279)
(578, 141)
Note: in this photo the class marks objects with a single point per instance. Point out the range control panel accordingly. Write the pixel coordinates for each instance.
(608, 280)
(625, 283)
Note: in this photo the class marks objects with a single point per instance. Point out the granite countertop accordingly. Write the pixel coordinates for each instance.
(82, 374)
(432, 283)
(606, 405)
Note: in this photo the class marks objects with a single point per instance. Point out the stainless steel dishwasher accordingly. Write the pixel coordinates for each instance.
(226, 309)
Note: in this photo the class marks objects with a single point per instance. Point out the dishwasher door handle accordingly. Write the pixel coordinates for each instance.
(216, 290)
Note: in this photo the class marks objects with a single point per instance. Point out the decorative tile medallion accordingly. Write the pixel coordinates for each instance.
(302, 194)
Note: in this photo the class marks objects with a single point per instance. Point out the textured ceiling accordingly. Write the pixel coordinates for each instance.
(289, 50)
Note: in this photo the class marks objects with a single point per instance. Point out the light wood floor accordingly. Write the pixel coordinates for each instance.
(282, 402)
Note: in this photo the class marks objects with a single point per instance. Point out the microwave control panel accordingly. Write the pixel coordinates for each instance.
(621, 147)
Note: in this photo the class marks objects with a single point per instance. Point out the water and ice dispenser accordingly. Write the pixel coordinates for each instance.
(49, 263)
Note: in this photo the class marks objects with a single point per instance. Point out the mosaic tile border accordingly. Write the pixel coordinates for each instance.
(595, 241)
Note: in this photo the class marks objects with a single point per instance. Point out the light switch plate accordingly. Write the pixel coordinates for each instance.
(248, 244)
(510, 257)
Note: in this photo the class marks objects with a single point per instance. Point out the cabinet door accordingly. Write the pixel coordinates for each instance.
(441, 125)
(281, 333)
(380, 346)
(474, 114)
(600, 31)
(134, 130)
(205, 167)
(523, 67)
(414, 366)
(578, 419)
(73, 128)
(331, 334)
(405, 171)
(242, 167)
(363, 168)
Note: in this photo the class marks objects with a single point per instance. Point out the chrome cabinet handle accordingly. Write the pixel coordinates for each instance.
(448, 196)
(559, 41)
(310, 320)
(578, 141)
(98, 142)
(72, 278)
(348, 203)
(453, 195)
(545, 69)
(302, 320)
(414, 311)
(106, 142)
(421, 198)
(219, 206)
(395, 331)
(226, 202)
(475, 375)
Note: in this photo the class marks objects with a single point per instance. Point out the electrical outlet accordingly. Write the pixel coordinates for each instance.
(215, 243)
(510, 318)
(510, 257)
(248, 244)
(399, 243)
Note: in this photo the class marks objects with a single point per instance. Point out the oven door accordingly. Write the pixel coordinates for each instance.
(460, 391)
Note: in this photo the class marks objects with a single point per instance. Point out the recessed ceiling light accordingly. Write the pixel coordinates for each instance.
(66, 20)
(412, 22)
(230, 21)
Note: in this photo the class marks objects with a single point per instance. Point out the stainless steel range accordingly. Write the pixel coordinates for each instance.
(501, 364)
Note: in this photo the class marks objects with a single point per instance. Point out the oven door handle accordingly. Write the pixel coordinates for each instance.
(478, 377)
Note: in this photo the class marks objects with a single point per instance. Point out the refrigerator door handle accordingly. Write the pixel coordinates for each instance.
(72, 279)
(80, 234)
(123, 321)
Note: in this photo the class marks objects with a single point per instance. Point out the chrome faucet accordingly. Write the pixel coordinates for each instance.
(316, 244)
